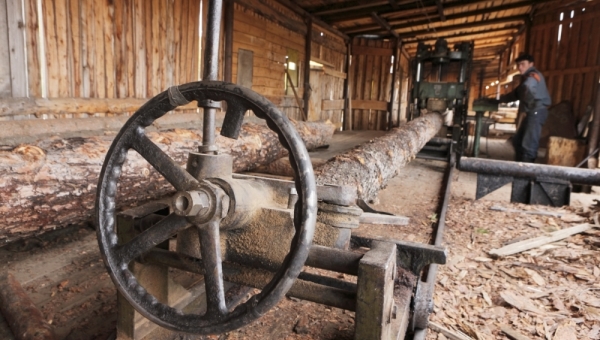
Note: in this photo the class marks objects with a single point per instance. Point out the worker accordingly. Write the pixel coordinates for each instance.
(534, 100)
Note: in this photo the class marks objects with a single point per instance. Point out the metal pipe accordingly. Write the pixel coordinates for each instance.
(211, 71)
(257, 278)
(337, 260)
(529, 170)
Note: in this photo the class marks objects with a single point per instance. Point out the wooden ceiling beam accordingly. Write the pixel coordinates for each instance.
(299, 10)
(464, 35)
(440, 9)
(357, 6)
(386, 10)
(384, 24)
(465, 26)
(402, 24)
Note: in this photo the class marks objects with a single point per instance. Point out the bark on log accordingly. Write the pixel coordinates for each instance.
(370, 166)
(53, 183)
(282, 167)
(24, 319)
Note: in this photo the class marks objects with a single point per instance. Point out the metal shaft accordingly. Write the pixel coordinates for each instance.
(211, 71)
(529, 170)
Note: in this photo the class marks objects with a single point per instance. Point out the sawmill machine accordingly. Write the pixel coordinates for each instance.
(237, 231)
(440, 83)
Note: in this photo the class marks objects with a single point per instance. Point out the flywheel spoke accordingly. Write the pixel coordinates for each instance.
(151, 237)
(174, 173)
(210, 249)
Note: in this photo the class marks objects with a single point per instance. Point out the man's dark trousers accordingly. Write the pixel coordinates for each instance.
(527, 139)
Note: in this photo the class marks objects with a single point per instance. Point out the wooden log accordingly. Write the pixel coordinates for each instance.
(24, 319)
(370, 166)
(52, 184)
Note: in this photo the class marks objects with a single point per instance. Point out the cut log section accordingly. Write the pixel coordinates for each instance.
(53, 183)
(370, 166)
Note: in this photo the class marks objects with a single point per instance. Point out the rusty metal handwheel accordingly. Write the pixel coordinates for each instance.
(117, 255)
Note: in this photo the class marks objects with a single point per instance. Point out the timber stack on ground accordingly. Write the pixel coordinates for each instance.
(53, 183)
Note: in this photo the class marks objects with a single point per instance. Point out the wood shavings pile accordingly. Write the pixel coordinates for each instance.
(548, 292)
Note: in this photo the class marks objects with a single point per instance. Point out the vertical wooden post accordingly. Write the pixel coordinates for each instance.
(347, 84)
(227, 73)
(393, 120)
(16, 47)
(307, 53)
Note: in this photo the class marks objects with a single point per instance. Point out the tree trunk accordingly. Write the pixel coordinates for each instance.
(53, 184)
(371, 165)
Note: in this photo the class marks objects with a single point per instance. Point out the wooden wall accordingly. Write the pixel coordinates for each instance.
(570, 65)
(111, 49)
(371, 83)
(272, 31)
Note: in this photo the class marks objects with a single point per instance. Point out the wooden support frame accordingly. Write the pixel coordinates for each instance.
(347, 91)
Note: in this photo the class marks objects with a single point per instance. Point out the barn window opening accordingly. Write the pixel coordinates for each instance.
(572, 15)
(562, 15)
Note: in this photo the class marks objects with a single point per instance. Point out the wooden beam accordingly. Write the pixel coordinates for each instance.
(403, 24)
(394, 4)
(294, 7)
(384, 24)
(16, 48)
(363, 11)
(464, 35)
(440, 9)
(466, 25)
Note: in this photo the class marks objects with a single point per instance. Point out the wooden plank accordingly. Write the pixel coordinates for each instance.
(119, 49)
(139, 43)
(51, 49)
(578, 106)
(518, 247)
(60, 17)
(34, 67)
(554, 48)
(177, 17)
(86, 18)
(369, 50)
(129, 32)
(190, 39)
(16, 48)
(109, 50)
(75, 36)
(161, 17)
(332, 104)
(99, 52)
(170, 46)
(574, 44)
(195, 57)
(586, 28)
(587, 69)
(369, 105)
(149, 73)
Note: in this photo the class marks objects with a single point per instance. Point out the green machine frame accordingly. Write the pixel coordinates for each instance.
(437, 88)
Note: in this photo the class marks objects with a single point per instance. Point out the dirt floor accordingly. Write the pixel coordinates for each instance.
(549, 292)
